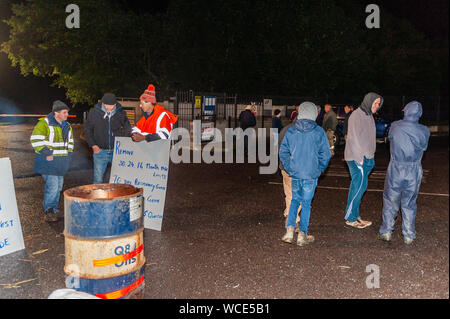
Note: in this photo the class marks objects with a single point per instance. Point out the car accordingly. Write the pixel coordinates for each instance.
(382, 126)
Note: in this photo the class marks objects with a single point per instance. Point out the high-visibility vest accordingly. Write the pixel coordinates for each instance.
(50, 136)
(160, 122)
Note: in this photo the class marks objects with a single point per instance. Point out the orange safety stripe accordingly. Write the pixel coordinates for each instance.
(117, 259)
(122, 292)
(27, 115)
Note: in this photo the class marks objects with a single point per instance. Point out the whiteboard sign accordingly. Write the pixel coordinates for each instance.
(144, 165)
(11, 238)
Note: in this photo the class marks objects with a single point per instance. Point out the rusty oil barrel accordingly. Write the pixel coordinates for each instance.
(103, 232)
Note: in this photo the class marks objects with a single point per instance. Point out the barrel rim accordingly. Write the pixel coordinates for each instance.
(67, 193)
(103, 238)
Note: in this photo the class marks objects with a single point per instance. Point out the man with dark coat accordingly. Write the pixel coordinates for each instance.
(104, 122)
(408, 140)
(329, 125)
(348, 109)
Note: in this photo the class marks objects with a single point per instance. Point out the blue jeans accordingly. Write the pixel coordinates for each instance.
(360, 176)
(52, 190)
(302, 193)
(101, 160)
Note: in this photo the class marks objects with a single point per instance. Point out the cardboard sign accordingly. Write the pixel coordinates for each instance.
(11, 238)
(144, 165)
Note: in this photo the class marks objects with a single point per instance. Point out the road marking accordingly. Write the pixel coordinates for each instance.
(367, 190)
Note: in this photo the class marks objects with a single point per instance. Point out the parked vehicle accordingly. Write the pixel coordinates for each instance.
(382, 127)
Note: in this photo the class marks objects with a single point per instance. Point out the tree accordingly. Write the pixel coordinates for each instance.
(106, 54)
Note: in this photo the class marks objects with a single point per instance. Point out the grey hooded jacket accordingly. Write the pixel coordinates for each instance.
(361, 134)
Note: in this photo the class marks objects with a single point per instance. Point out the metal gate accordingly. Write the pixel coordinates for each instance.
(189, 106)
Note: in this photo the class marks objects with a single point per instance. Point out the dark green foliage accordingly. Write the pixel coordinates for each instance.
(249, 47)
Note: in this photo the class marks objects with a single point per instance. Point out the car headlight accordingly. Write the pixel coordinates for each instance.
(385, 125)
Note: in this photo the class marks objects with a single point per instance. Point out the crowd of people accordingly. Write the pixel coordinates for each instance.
(305, 150)
(52, 139)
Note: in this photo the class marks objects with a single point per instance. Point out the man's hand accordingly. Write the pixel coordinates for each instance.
(96, 149)
(137, 137)
(49, 158)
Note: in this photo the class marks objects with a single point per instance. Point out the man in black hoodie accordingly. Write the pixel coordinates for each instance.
(105, 121)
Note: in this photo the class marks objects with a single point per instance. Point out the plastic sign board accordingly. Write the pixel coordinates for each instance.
(209, 106)
(207, 131)
(144, 165)
(11, 238)
(267, 104)
(198, 102)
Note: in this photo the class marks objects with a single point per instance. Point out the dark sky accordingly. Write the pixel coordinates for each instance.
(30, 93)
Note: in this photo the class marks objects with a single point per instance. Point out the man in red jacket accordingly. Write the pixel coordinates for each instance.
(157, 122)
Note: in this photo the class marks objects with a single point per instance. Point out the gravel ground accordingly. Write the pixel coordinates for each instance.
(222, 228)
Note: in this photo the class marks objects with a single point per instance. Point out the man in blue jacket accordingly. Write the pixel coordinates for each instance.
(305, 154)
(409, 140)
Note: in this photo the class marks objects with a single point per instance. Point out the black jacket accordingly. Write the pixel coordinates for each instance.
(100, 129)
(276, 123)
(246, 119)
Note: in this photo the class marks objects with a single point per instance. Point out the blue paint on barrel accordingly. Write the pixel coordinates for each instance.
(89, 219)
(94, 213)
(104, 285)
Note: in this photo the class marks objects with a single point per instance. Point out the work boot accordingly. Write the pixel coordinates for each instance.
(385, 237)
(289, 236)
(50, 216)
(408, 241)
(304, 239)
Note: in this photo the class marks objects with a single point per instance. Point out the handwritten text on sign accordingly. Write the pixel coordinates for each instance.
(11, 238)
(144, 165)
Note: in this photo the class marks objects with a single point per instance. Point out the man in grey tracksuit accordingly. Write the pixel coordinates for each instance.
(359, 155)
(409, 140)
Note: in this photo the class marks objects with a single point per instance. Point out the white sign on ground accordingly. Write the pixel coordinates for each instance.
(11, 238)
(144, 165)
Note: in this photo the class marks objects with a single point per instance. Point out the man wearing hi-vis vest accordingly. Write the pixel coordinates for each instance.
(157, 122)
(52, 140)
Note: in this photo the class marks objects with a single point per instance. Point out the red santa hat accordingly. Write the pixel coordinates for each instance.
(149, 95)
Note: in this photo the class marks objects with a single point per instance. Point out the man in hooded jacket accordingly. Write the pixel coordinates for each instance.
(359, 155)
(408, 140)
(305, 154)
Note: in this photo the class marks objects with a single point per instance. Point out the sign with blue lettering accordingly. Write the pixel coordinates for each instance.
(144, 165)
(11, 238)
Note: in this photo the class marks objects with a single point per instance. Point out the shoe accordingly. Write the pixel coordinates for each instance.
(289, 236)
(355, 224)
(408, 241)
(304, 239)
(364, 222)
(385, 237)
(50, 216)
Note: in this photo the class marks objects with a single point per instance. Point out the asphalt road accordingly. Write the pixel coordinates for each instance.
(222, 228)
